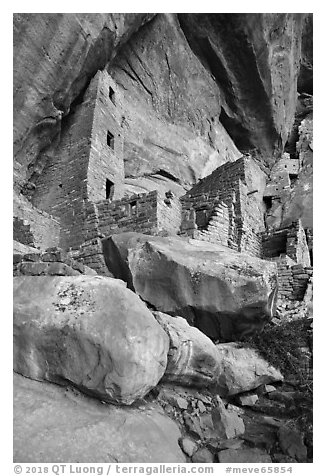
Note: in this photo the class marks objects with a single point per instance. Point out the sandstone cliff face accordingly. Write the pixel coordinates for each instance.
(197, 87)
(55, 56)
(254, 59)
(295, 201)
(305, 80)
(172, 106)
(185, 93)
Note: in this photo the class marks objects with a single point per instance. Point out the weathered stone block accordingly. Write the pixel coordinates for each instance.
(31, 257)
(60, 269)
(88, 330)
(33, 269)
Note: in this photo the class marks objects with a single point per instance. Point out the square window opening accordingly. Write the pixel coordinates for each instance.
(112, 95)
(110, 139)
(268, 201)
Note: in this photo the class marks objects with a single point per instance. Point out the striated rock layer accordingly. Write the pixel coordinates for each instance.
(89, 331)
(172, 107)
(222, 292)
(55, 57)
(197, 87)
(192, 356)
(254, 58)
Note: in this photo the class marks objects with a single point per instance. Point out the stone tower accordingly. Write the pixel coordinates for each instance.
(87, 165)
(105, 174)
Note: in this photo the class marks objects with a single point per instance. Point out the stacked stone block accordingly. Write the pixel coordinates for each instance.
(292, 279)
(296, 245)
(105, 161)
(280, 181)
(196, 212)
(78, 171)
(91, 253)
(284, 277)
(22, 232)
(217, 230)
(227, 185)
(310, 243)
(301, 276)
(168, 213)
(135, 213)
(52, 262)
(289, 240)
(150, 213)
(250, 222)
(41, 230)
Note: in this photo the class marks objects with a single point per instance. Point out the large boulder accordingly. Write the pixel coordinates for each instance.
(53, 424)
(242, 369)
(192, 355)
(90, 331)
(222, 292)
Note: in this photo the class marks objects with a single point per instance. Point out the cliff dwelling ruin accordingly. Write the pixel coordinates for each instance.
(163, 237)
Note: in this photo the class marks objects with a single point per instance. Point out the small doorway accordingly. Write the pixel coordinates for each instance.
(109, 190)
(133, 207)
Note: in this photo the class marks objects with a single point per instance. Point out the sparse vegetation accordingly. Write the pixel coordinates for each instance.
(288, 346)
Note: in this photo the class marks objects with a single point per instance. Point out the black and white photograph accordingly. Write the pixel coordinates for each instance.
(162, 242)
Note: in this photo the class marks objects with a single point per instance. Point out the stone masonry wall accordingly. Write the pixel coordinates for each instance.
(250, 222)
(289, 240)
(77, 170)
(292, 279)
(168, 213)
(219, 182)
(197, 211)
(90, 251)
(296, 245)
(44, 229)
(91, 254)
(235, 186)
(310, 242)
(105, 161)
(22, 232)
(62, 188)
(199, 204)
(136, 213)
(52, 262)
(149, 213)
(280, 180)
(217, 230)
